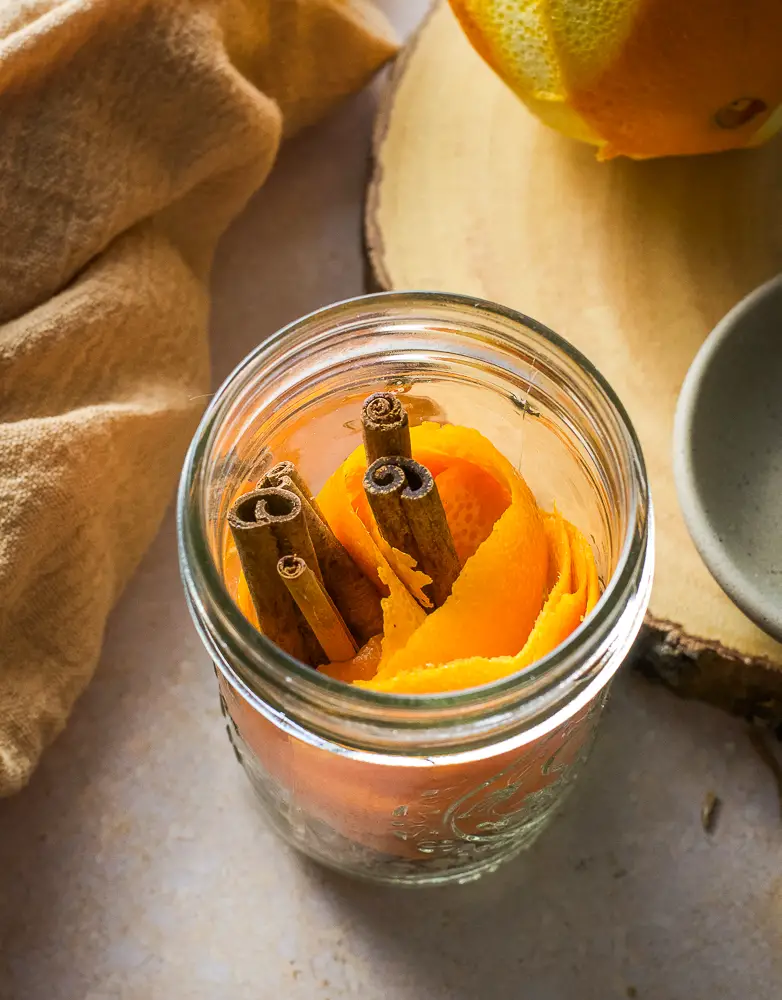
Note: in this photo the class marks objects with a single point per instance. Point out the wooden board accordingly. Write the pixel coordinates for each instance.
(633, 262)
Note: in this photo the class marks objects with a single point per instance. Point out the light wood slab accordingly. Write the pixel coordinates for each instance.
(633, 262)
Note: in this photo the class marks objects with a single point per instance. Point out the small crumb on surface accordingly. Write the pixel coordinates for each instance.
(710, 811)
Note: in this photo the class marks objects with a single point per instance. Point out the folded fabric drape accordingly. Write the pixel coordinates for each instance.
(131, 133)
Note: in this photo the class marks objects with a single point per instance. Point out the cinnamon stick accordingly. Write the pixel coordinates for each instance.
(283, 511)
(384, 482)
(356, 598)
(283, 470)
(318, 608)
(409, 513)
(425, 513)
(385, 427)
(260, 545)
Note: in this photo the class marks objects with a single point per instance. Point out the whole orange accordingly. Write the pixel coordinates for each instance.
(639, 78)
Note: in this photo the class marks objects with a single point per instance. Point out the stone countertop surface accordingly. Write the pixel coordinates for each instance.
(136, 866)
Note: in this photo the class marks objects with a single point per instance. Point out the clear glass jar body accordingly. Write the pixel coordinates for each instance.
(417, 789)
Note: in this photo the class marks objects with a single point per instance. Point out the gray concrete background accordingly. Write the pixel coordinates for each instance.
(136, 867)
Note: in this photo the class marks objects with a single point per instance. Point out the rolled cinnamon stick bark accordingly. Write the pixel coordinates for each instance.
(409, 513)
(260, 548)
(385, 427)
(284, 512)
(384, 483)
(426, 516)
(356, 598)
(318, 608)
(288, 470)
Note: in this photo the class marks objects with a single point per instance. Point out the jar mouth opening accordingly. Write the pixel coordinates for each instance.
(208, 596)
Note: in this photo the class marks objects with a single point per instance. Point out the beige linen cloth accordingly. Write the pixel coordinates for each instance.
(131, 132)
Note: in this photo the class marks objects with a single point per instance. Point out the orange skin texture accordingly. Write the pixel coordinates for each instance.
(680, 62)
(473, 501)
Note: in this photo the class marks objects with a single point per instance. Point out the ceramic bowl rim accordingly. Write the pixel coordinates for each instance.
(743, 591)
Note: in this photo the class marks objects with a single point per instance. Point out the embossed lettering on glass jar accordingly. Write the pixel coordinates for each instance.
(437, 788)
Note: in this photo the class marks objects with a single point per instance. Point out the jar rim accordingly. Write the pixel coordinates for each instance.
(201, 576)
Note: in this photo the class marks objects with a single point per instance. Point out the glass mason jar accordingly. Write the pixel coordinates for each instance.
(417, 788)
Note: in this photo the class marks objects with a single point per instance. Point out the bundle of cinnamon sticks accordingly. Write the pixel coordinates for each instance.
(310, 597)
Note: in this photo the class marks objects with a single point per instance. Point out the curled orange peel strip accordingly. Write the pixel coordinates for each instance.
(574, 594)
(528, 578)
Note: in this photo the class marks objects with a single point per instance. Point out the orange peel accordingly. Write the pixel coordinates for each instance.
(528, 578)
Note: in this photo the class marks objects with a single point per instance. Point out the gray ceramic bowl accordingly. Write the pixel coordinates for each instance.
(728, 455)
